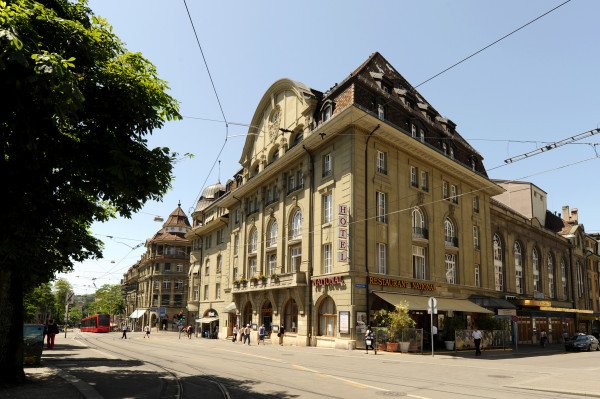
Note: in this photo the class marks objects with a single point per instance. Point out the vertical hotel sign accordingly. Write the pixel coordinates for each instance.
(342, 237)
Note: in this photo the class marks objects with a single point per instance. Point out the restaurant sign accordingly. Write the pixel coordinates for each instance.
(390, 282)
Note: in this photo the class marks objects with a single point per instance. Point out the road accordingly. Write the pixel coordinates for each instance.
(201, 368)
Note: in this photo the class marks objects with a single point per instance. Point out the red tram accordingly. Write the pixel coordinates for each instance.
(98, 323)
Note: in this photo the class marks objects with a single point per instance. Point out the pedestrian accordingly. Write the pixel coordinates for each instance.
(281, 334)
(247, 334)
(543, 338)
(190, 331)
(261, 334)
(369, 339)
(235, 333)
(51, 331)
(124, 329)
(434, 332)
(477, 338)
(147, 332)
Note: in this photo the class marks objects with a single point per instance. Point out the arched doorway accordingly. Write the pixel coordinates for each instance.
(266, 315)
(209, 324)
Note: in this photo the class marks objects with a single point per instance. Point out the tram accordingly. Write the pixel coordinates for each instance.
(98, 323)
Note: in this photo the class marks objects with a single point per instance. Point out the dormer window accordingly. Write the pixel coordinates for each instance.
(445, 148)
(381, 111)
(413, 130)
(422, 135)
(473, 164)
(451, 153)
(326, 114)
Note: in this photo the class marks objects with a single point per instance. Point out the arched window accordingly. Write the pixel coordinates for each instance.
(296, 225)
(450, 233)
(419, 228)
(291, 316)
(518, 267)
(563, 278)
(297, 138)
(451, 268)
(272, 240)
(551, 292)
(498, 264)
(327, 318)
(535, 264)
(253, 242)
(274, 155)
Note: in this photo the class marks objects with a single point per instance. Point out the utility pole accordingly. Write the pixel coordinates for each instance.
(68, 300)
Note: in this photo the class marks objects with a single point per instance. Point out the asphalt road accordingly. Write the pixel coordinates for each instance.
(166, 366)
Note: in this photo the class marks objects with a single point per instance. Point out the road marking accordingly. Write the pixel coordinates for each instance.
(353, 383)
(251, 355)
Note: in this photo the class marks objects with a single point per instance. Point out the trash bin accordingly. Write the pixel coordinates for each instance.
(33, 344)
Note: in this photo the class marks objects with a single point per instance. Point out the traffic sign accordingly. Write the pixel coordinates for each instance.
(432, 302)
(360, 285)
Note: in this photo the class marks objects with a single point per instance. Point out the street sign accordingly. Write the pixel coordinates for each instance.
(432, 302)
(360, 285)
(515, 319)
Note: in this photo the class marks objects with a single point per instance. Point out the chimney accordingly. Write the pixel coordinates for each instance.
(574, 217)
(565, 212)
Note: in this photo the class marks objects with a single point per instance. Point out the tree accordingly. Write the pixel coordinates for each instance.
(62, 288)
(109, 299)
(77, 108)
(38, 304)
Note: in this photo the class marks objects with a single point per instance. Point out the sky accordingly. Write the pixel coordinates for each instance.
(539, 85)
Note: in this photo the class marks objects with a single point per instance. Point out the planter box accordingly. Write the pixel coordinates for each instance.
(381, 347)
(404, 347)
(449, 345)
(392, 346)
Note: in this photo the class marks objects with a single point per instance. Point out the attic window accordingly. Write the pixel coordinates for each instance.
(451, 153)
(445, 148)
(473, 164)
(326, 114)
(381, 111)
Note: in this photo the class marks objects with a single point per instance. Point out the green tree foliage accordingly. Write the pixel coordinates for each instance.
(77, 108)
(39, 304)
(108, 299)
(61, 289)
(395, 321)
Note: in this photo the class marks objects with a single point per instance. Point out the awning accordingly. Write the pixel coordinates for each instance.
(137, 313)
(206, 320)
(443, 304)
(491, 302)
(231, 308)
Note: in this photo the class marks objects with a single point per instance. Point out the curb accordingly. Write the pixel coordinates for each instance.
(85, 389)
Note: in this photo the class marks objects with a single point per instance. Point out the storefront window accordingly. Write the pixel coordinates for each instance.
(327, 318)
(291, 316)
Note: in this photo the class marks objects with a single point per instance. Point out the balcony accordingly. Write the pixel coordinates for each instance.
(171, 255)
(286, 280)
(420, 232)
(295, 187)
(451, 241)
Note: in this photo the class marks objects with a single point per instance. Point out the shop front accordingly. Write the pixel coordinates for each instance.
(208, 325)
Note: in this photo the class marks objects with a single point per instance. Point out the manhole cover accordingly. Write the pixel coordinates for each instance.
(500, 376)
(391, 394)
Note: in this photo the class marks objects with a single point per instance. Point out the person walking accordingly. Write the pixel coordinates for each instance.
(281, 334)
(235, 333)
(247, 334)
(190, 331)
(124, 329)
(147, 332)
(477, 338)
(261, 334)
(369, 339)
(51, 331)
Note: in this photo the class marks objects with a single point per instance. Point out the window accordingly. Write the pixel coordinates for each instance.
(235, 272)
(381, 111)
(381, 258)
(498, 264)
(327, 165)
(327, 318)
(476, 203)
(327, 261)
(297, 138)
(207, 268)
(451, 268)
(473, 164)
(327, 208)
(453, 194)
(296, 225)
(422, 136)
(219, 263)
(218, 291)
(166, 284)
(477, 270)
(220, 236)
(290, 315)
(551, 292)
(272, 240)
(326, 115)
(272, 259)
(579, 279)
(167, 267)
(253, 241)
(206, 292)
(563, 278)
(155, 300)
(476, 237)
(237, 216)
(196, 294)
(208, 241)
(451, 153)
(295, 181)
(445, 148)
(156, 285)
(179, 268)
(252, 266)
(414, 176)
(236, 244)
(382, 162)
(535, 263)
(381, 207)
(419, 229)
(424, 181)
(178, 285)
(419, 265)
(518, 267)
(178, 300)
(295, 258)
(165, 299)
(450, 234)
(445, 189)
(413, 130)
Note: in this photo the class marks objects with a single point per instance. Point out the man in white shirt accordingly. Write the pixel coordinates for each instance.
(477, 338)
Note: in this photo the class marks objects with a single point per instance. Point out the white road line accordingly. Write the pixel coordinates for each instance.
(251, 355)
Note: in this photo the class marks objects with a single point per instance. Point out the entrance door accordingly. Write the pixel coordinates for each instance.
(266, 315)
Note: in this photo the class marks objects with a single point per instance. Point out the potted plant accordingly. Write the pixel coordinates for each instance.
(236, 283)
(451, 324)
(254, 280)
(275, 277)
(243, 281)
(263, 279)
(394, 322)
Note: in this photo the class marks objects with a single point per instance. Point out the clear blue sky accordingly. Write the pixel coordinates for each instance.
(539, 85)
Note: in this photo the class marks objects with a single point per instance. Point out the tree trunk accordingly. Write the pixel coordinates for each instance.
(11, 322)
